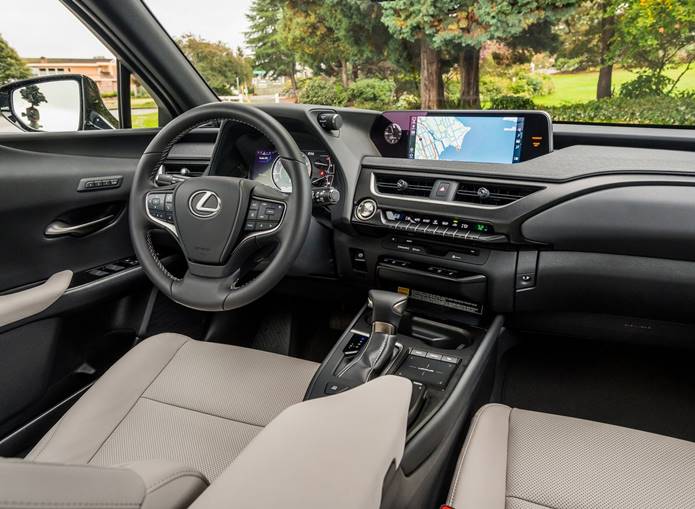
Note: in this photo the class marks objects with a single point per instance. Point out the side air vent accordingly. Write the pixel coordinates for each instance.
(484, 193)
(404, 185)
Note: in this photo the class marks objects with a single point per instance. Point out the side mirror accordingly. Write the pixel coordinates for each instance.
(63, 102)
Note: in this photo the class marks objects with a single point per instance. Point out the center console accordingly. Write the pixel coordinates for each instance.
(437, 348)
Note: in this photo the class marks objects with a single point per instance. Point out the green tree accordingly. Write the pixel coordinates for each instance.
(462, 27)
(216, 62)
(307, 31)
(12, 67)
(588, 37)
(372, 49)
(270, 54)
(418, 22)
(654, 35)
(472, 23)
(341, 38)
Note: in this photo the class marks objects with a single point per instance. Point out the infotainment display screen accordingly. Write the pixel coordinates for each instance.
(466, 138)
(479, 136)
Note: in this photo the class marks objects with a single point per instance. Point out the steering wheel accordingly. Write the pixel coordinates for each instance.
(221, 223)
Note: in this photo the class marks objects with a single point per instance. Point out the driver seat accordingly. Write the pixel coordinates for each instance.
(175, 399)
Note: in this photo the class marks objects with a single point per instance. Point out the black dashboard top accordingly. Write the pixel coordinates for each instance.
(571, 163)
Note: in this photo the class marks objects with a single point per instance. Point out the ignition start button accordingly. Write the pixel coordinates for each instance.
(366, 210)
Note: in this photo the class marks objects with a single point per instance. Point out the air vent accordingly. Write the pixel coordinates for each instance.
(404, 185)
(486, 193)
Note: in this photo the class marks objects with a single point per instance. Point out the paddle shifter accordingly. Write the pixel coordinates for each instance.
(387, 311)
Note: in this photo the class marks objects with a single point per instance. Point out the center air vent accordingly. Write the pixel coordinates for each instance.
(404, 185)
(467, 191)
(487, 193)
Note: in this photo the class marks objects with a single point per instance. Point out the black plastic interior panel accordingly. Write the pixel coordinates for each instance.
(496, 290)
(611, 284)
(646, 220)
(39, 188)
(672, 138)
(26, 356)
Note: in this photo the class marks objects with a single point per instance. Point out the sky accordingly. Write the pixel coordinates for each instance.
(37, 28)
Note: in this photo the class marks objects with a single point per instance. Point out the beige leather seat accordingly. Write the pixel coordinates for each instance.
(516, 459)
(172, 398)
(301, 460)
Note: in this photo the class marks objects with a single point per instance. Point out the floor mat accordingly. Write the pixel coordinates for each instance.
(641, 387)
(168, 316)
(274, 333)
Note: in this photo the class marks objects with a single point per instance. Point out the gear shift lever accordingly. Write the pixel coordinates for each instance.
(387, 311)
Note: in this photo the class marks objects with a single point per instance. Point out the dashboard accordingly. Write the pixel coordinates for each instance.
(561, 223)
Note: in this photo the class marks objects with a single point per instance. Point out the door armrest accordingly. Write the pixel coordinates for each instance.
(25, 303)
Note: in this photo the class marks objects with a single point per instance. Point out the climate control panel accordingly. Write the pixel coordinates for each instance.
(445, 227)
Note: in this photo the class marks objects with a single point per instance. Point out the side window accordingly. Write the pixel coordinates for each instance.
(73, 79)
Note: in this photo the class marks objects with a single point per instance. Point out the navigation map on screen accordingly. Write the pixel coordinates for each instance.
(473, 139)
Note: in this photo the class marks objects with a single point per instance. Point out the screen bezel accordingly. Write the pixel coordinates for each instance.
(536, 141)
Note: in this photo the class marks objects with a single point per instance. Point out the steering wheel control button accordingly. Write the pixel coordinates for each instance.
(264, 226)
(263, 215)
(268, 211)
(366, 210)
(161, 206)
(155, 201)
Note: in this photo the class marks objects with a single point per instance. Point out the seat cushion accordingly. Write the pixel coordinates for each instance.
(173, 398)
(516, 459)
(140, 485)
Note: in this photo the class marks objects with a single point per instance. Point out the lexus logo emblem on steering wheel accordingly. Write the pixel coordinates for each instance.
(204, 204)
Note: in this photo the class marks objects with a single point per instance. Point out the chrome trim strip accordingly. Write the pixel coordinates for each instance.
(101, 280)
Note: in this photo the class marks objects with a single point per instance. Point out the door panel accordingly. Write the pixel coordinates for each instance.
(51, 356)
(38, 189)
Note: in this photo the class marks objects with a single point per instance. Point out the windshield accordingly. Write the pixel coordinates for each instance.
(592, 61)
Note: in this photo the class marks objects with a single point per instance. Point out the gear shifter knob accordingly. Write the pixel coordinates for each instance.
(387, 310)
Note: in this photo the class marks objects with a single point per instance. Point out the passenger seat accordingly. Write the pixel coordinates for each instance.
(517, 459)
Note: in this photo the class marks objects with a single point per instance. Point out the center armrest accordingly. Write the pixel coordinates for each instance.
(329, 452)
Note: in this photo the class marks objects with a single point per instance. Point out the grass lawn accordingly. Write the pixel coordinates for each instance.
(135, 102)
(141, 120)
(581, 87)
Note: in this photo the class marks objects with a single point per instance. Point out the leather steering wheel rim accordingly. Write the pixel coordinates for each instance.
(209, 287)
